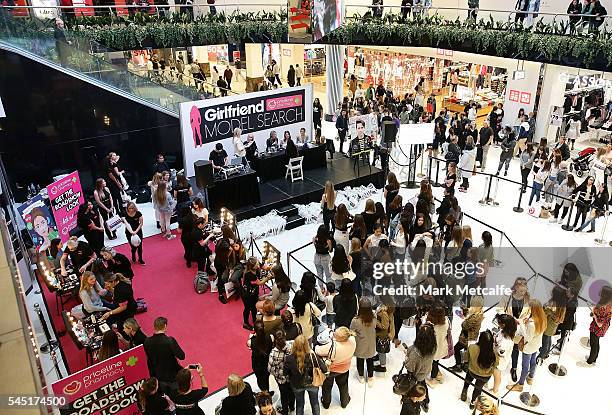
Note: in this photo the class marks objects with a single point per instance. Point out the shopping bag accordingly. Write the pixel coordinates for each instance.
(114, 222)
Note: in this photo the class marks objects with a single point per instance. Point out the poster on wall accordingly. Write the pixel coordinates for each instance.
(39, 222)
(556, 116)
(65, 196)
(207, 122)
(107, 388)
(327, 16)
(370, 121)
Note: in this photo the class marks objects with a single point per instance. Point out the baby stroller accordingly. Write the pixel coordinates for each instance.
(582, 163)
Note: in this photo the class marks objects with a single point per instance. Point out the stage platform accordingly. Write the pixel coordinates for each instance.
(277, 193)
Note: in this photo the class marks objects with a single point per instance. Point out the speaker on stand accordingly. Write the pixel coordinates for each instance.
(204, 177)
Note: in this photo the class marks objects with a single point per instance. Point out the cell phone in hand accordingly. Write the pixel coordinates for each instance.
(193, 366)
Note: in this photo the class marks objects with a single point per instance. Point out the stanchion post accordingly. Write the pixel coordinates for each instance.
(429, 168)
(51, 344)
(567, 226)
(601, 240)
(489, 189)
(56, 364)
(420, 174)
(557, 369)
(492, 201)
(518, 208)
(483, 201)
(437, 183)
(530, 398)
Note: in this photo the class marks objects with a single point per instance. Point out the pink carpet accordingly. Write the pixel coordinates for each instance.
(209, 332)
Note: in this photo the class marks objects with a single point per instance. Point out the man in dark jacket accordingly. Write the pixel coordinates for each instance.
(563, 148)
(342, 127)
(507, 145)
(162, 354)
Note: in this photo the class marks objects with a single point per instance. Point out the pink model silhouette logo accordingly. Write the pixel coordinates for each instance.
(195, 119)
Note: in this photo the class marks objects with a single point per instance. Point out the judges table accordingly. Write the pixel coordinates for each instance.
(236, 191)
(272, 165)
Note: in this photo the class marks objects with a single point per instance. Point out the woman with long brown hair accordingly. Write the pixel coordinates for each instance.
(164, 204)
(341, 220)
(359, 229)
(369, 215)
(555, 314)
(364, 325)
(328, 205)
(110, 346)
(391, 189)
(151, 401)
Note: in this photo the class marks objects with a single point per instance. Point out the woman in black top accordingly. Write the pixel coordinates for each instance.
(250, 291)
(104, 200)
(323, 246)
(423, 207)
(223, 251)
(356, 253)
(345, 304)
(199, 245)
(113, 180)
(369, 216)
(394, 208)
(185, 398)
(89, 222)
(182, 191)
(261, 344)
(451, 176)
(292, 151)
(186, 225)
(123, 299)
(151, 401)
(240, 400)
(599, 208)
(80, 253)
(116, 262)
(381, 216)
(391, 189)
(317, 112)
(584, 195)
(341, 221)
(359, 229)
(419, 227)
(134, 219)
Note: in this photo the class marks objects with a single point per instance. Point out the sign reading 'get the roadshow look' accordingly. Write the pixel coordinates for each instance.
(204, 123)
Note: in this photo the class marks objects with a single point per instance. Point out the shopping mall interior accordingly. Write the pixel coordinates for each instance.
(223, 208)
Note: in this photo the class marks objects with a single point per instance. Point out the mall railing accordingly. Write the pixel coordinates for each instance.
(357, 11)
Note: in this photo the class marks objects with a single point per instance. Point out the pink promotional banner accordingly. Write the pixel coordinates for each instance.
(65, 196)
(107, 388)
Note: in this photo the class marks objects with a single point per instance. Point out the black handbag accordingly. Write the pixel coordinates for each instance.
(403, 382)
(383, 345)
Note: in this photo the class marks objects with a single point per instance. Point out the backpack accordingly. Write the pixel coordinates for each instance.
(201, 283)
(141, 305)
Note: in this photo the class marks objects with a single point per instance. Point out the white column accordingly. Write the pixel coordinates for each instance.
(334, 76)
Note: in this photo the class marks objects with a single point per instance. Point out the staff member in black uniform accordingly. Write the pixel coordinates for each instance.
(80, 253)
(116, 262)
(123, 299)
(199, 250)
(113, 180)
(218, 157)
(89, 222)
(134, 219)
(186, 225)
(104, 200)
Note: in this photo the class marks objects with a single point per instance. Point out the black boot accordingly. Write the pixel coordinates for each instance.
(222, 298)
(513, 375)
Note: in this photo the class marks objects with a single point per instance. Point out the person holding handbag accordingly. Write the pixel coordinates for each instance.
(482, 362)
(303, 313)
(517, 305)
(504, 342)
(602, 313)
(531, 330)
(104, 202)
(469, 331)
(300, 367)
(133, 221)
(441, 324)
(419, 358)
(364, 326)
(385, 332)
(276, 367)
(339, 354)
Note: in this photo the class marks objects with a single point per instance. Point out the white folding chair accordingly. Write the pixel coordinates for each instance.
(294, 168)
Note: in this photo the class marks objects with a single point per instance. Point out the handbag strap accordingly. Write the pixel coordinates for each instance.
(311, 361)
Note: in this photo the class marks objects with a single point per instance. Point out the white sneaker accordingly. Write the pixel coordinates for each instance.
(170, 237)
(553, 220)
(360, 378)
(370, 382)
(214, 289)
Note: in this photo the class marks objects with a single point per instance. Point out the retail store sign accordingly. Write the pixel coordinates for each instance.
(206, 122)
(65, 196)
(514, 95)
(43, 9)
(584, 81)
(525, 98)
(107, 388)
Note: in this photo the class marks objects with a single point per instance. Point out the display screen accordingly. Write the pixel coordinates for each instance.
(327, 16)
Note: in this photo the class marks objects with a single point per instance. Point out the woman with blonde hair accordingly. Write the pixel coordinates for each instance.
(328, 205)
(299, 366)
(164, 205)
(530, 329)
(339, 351)
(90, 293)
(486, 406)
(240, 400)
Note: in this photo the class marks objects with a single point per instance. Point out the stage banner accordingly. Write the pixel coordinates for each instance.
(65, 196)
(107, 388)
(39, 222)
(208, 122)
